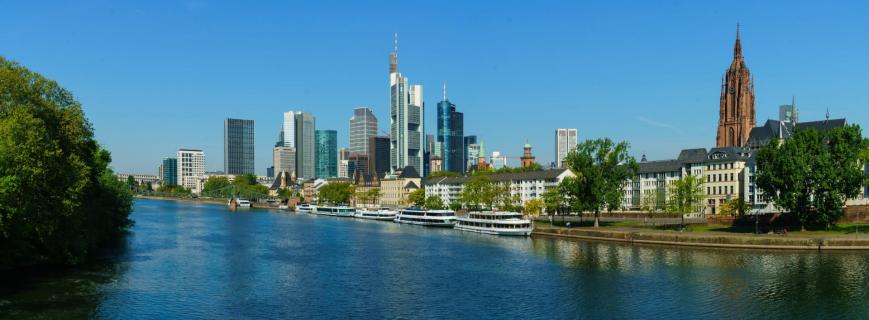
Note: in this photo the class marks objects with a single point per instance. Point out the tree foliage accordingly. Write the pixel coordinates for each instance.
(434, 203)
(686, 195)
(812, 173)
(533, 167)
(59, 200)
(602, 167)
(533, 207)
(336, 193)
(444, 174)
(417, 198)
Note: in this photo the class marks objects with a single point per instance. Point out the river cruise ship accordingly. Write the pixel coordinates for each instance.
(340, 211)
(306, 208)
(499, 223)
(430, 218)
(383, 214)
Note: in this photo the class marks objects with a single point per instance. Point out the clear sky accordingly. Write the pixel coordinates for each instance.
(155, 76)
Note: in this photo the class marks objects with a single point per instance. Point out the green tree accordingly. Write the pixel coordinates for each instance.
(217, 184)
(336, 192)
(812, 173)
(686, 195)
(417, 198)
(131, 183)
(374, 194)
(649, 202)
(533, 207)
(479, 192)
(434, 203)
(59, 200)
(444, 174)
(554, 200)
(736, 206)
(602, 167)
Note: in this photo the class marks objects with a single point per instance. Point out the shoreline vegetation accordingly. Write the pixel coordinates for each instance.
(60, 202)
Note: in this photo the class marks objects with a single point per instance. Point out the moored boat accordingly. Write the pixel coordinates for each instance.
(499, 223)
(339, 211)
(430, 218)
(383, 214)
(306, 208)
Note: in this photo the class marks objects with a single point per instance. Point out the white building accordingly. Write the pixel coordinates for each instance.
(343, 163)
(525, 185)
(565, 142)
(284, 159)
(657, 176)
(191, 169)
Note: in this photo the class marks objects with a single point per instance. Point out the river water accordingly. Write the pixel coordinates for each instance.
(201, 261)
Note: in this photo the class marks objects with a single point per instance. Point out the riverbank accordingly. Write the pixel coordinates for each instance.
(709, 239)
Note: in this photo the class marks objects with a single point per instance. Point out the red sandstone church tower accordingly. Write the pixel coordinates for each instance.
(736, 117)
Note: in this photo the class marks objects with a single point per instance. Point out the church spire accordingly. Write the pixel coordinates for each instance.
(737, 48)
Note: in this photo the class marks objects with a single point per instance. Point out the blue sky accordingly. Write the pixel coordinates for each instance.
(155, 76)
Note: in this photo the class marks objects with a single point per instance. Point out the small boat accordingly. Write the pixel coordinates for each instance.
(341, 211)
(306, 208)
(429, 218)
(240, 203)
(383, 214)
(498, 223)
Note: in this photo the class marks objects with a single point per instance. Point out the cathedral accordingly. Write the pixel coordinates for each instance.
(736, 117)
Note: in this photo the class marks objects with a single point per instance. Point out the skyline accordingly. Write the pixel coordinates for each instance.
(660, 76)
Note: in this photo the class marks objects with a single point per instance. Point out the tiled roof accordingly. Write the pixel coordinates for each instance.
(659, 166)
(696, 155)
(729, 154)
(499, 177)
(409, 172)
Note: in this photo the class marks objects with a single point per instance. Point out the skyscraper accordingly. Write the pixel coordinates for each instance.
(565, 142)
(736, 114)
(789, 112)
(169, 171)
(406, 118)
(191, 168)
(327, 154)
(466, 157)
(378, 155)
(363, 125)
(284, 159)
(451, 135)
(343, 163)
(238, 146)
(305, 145)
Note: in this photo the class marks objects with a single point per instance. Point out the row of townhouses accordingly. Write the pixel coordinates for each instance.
(524, 185)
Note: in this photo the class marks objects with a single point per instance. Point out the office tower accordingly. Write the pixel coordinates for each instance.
(288, 131)
(451, 135)
(468, 141)
(498, 160)
(473, 156)
(270, 172)
(736, 112)
(238, 146)
(327, 154)
(363, 126)
(191, 168)
(358, 165)
(169, 171)
(406, 119)
(284, 160)
(565, 142)
(343, 163)
(305, 145)
(378, 155)
(789, 112)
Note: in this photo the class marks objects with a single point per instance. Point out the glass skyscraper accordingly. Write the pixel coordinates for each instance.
(327, 154)
(170, 171)
(469, 142)
(363, 125)
(238, 146)
(451, 136)
(406, 119)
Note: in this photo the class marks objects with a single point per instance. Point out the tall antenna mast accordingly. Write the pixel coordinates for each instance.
(396, 46)
(445, 90)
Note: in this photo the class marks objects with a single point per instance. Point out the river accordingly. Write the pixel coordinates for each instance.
(201, 261)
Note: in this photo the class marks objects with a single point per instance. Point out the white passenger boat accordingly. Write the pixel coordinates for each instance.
(240, 203)
(306, 208)
(341, 211)
(382, 214)
(431, 218)
(500, 223)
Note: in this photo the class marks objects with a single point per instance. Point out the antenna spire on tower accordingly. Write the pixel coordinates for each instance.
(395, 49)
(445, 90)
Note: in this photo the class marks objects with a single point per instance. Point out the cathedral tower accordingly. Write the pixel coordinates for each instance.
(736, 117)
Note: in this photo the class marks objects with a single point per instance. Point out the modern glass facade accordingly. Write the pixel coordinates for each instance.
(305, 145)
(406, 119)
(238, 146)
(469, 140)
(451, 137)
(378, 155)
(170, 171)
(327, 154)
(363, 125)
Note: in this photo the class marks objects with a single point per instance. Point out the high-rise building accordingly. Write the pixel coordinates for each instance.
(284, 159)
(327, 154)
(789, 113)
(466, 157)
(565, 142)
(363, 125)
(473, 155)
(378, 155)
(270, 172)
(238, 146)
(169, 171)
(451, 130)
(343, 163)
(428, 154)
(358, 165)
(406, 119)
(736, 114)
(297, 132)
(191, 169)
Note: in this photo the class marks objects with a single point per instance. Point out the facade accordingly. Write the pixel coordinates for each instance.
(655, 177)
(437, 165)
(305, 145)
(363, 126)
(725, 176)
(284, 160)
(326, 163)
(238, 146)
(466, 158)
(191, 169)
(789, 113)
(406, 118)
(378, 155)
(141, 179)
(473, 156)
(736, 114)
(430, 152)
(358, 164)
(451, 136)
(527, 158)
(169, 171)
(524, 186)
(343, 162)
(287, 137)
(565, 142)
(395, 188)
